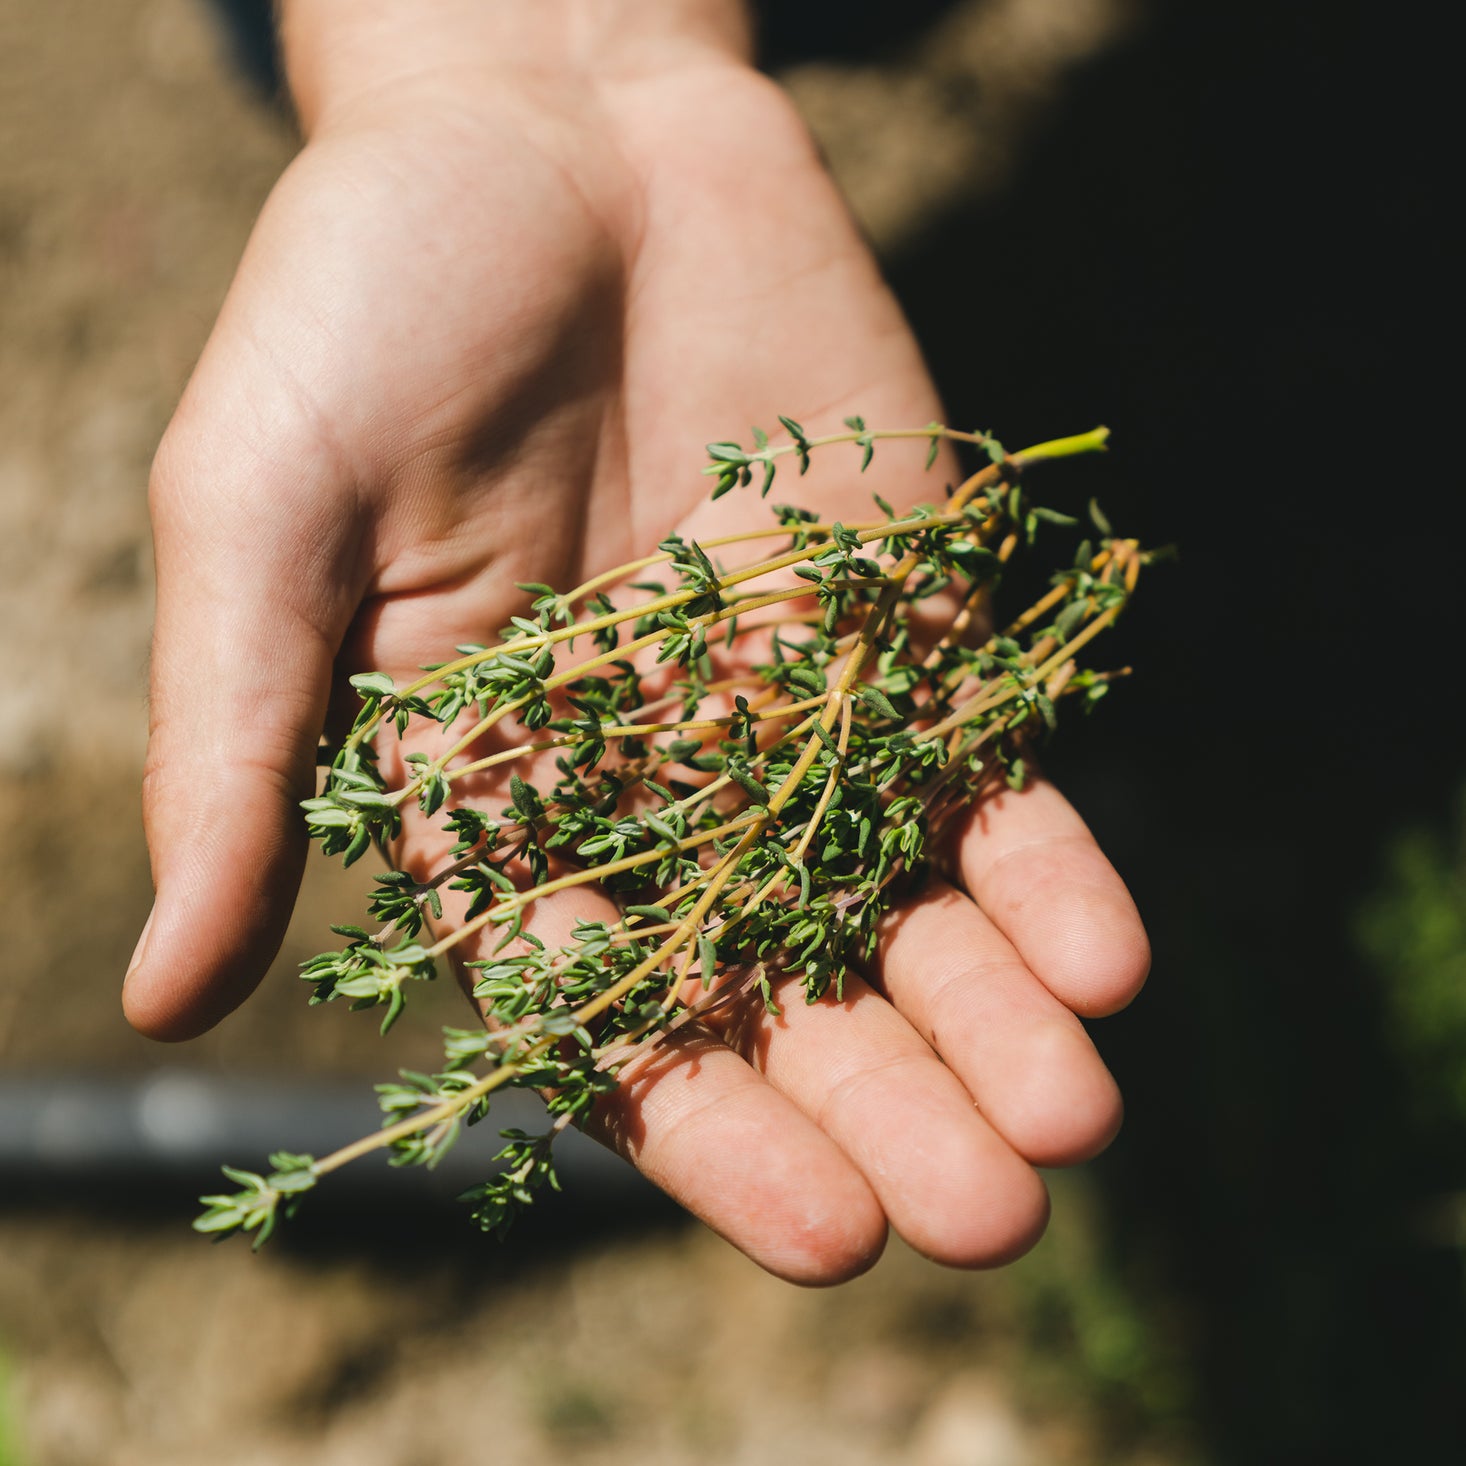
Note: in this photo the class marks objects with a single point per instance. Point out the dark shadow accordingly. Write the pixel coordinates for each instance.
(1229, 245)
(405, 1222)
(787, 34)
(840, 30)
(248, 31)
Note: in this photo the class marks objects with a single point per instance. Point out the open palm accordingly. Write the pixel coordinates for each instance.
(482, 343)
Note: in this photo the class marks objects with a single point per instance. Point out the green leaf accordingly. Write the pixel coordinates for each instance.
(877, 701)
(395, 1004)
(434, 791)
(661, 829)
(219, 1221)
(1070, 619)
(373, 684)
(524, 797)
(330, 819)
(292, 1183)
(1053, 516)
(748, 783)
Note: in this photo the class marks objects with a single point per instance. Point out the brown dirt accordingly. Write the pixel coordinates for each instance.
(662, 1348)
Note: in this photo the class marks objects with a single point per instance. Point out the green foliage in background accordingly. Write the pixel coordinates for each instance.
(1413, 929)
(1091, 1332)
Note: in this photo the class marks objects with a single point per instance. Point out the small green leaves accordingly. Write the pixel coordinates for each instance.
(353, 810)
(877, 702)
(261, 1200)
(745, 823)
(1039, 514)
(433, 791)
(864, 440)
(528, 1167)
(809, 680)
(726, 453)
(527, 803)
(400, 902)
(801, 441)
(825, 736)
(369, 973)
(732, 467)
(373, 684)
(738, 771)
(1070, 619)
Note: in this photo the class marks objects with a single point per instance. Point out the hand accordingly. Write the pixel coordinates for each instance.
(483, 327)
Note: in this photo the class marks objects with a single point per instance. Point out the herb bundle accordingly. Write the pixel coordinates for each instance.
(752, 745)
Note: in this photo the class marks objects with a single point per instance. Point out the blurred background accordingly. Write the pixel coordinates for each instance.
(1218, 226)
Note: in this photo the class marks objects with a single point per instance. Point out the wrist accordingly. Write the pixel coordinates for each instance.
(337, 51)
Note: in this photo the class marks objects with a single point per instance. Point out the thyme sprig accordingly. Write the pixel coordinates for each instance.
(752, 760)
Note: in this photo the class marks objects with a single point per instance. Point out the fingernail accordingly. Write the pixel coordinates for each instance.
(142, 944)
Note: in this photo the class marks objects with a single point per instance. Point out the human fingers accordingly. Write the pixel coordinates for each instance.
(1019, 1052)
(947, 1181)
(697, 1121)
(1031, 864)
(720, 1139)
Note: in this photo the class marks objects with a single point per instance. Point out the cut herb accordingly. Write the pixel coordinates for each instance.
(749, 819)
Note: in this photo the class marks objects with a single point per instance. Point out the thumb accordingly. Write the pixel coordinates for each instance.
(257, 580)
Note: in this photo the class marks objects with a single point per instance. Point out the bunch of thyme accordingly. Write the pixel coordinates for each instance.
(752, 760)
